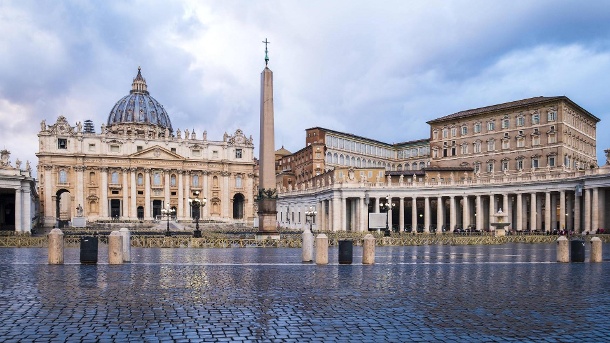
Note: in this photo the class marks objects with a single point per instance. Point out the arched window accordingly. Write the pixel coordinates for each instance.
(172, 180)
(215, 181)
(140, 179)
(329, 158)
(92, 177)
(195, 180)
(341, 160)
(238, 181)
(157, 179)
(114, 177)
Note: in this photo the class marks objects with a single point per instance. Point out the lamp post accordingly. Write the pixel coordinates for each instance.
(196, 204)
(168, 213)
(311, 215)
(387, 206)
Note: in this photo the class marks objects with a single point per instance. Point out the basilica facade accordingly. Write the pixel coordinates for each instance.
(139, 164)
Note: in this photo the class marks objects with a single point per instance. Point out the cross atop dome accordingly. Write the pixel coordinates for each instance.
(139, 83)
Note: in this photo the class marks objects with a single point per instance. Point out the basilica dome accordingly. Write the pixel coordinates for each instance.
(138, 107)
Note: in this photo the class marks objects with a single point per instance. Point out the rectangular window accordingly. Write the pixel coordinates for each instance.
(238, 181)
(173, 150)
(453, 132)
(490, 167)
(139, 148)
(504, 165)
(477, 167)
(520, 121)
(197, 152)
(215, 154)
(505, 144)
(491, 126)
(551, 161)
(552, 139)
(535, 119)
(520, 142)
(520, 165)
(62, 143)
(114, 148)
(238, 153)
(477, 128)
(552, 116)
(535, 163)
(536, 140)
(505, 123)
(91, 147)
(464, 130)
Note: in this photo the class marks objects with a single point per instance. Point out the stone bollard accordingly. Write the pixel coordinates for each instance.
(563, 252)
(596, 249)
(56, 247)
(368, 249)
(126, 244)
(115, 248)
(307, 246)
(321, 249)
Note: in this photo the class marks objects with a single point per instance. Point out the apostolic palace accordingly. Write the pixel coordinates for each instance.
(531, 160)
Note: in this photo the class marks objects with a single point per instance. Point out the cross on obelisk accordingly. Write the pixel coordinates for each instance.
(266, 52)
(267, 190)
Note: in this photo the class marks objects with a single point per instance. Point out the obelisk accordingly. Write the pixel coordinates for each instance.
(267, 191)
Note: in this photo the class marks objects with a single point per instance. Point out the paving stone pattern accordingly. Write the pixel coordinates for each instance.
(412, 294)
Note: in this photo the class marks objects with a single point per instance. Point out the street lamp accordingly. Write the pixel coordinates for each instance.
(196, 204)
(311, 215)
(387, 206)
(168, 212)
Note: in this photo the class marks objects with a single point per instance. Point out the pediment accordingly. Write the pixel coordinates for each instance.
(157, 153)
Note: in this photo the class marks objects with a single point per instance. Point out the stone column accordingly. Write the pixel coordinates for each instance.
(378, 205)
(344, 223)
(506, 207)
(166, 188)
(595, 210)
(577, 215)
(547, 211)
(80, 186)
(465, 212)
(452, 214)
(553, 211)
(440, 215)
(587, 227)
(49, 215)
(414, 214)
(331, 213)
(125, 191)
(187, 195)
(27, 210)
(18, 209)
(226, 199)
(519, 226)
(147, 214)
(180, 211)
(134, 194)
(206, 191)
(427, 214)
(479, 212)
(104, 197)
(492, 211)
(337, 215)
(562, 210)
(533, 214)
(401, 214)
(539, 213)
(363, 214)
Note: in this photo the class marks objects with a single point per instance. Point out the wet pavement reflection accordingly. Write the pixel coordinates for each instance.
(425, 293)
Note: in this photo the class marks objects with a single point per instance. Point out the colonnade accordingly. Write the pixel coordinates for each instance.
(538, 210)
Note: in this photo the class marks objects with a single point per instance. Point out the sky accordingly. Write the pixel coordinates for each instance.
(376, 69)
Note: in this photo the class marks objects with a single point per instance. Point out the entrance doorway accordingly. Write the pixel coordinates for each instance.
(115, 209)
(238, 206)
(63, 207)
(157, 206)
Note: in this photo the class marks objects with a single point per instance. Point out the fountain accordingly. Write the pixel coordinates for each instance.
(500, 224)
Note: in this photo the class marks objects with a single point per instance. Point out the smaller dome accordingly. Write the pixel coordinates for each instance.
(139, 107)
(283, 152)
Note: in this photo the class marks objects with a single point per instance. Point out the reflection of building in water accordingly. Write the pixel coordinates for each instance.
(139, 164)
(18, 197)
(533, 158)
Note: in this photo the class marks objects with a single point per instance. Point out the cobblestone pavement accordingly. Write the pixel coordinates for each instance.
(510, 292)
